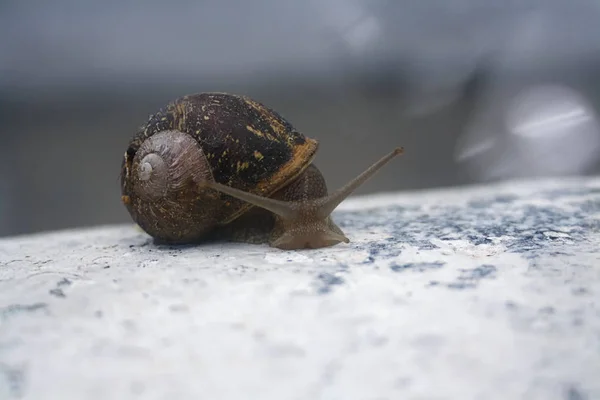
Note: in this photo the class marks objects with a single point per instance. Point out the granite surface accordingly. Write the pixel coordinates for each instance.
(488, 292)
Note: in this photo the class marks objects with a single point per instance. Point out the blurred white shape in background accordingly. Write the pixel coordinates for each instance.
(352, 21)
(525, 122)
(546, 130)
(554, 131)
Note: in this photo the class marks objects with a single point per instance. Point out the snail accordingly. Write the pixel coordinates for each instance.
(219, 166)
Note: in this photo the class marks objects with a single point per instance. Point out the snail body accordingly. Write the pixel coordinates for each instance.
(224, 166)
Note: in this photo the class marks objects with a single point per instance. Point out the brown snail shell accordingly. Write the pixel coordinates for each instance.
(226, 166)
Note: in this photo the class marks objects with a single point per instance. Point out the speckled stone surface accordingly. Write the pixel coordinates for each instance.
(473, 293)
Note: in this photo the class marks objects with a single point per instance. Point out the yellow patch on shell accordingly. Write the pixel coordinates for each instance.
(240, 166)
(255, 131)
(258, 155)
(180, 115)
(279, 129)
(127, 164)
(302, 157)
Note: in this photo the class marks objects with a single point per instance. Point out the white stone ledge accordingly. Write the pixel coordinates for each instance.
(489, 292)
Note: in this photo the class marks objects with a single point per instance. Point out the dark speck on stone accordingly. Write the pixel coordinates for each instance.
(14, 309)
(369, 260)
(15, 379)
(461, 285)
(63, 282)
(579, 291)
(343, 268)
(326, 281)
(57, 292)
(379, 249)
(482, 271)
(478, 240)
(525, 243)
(376, 248)
(577, 321)
(505, 199)
(428, 246)
(469, 278)
(419, 267)
(573, 393)
(560, 253)
(547, 310)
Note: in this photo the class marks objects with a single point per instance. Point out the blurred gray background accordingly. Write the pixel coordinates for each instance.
(475, 91)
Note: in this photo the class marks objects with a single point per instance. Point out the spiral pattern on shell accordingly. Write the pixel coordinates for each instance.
(166, 200)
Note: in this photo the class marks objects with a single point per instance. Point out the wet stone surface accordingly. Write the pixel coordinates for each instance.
(474, 293)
